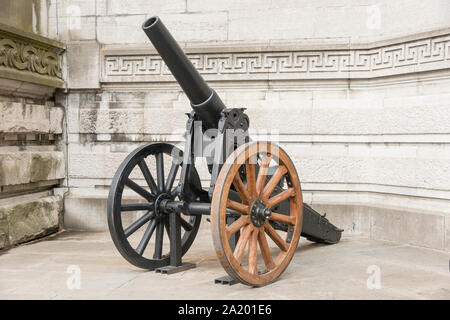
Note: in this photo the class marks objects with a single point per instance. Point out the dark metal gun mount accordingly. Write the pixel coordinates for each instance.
(254, 198)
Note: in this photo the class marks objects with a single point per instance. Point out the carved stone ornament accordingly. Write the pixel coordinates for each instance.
(278, 63)
(37, 58)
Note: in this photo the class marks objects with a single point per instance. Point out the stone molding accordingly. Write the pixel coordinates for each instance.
(425, 52)
(30, 58)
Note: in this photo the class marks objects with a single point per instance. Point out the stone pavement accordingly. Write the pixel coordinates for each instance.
(41, 270)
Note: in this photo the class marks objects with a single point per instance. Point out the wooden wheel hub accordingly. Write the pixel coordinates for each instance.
(259, 213)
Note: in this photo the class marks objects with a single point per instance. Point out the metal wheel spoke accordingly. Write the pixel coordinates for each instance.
(138, 223)
(171, 177)
(186, 225)
(160, 170)
(268, 189)
(139, 190)
(265, 251)
(159, 240)
(262, 173)
(146, 238)
(239, 207)
(148, 176)
(253, 252)
(167, 227)
(275, 237)
(136, 206)
(243, 192)
(282, 218)
(237, 225)
(289, 192)
(242, 242)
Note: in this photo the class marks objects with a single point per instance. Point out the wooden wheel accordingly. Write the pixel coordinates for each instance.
(135, 222)
(262, 253)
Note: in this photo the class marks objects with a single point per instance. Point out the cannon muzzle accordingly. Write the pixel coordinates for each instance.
(205, 101)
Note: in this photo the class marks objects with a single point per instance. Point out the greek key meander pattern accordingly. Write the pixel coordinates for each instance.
(27, 56)
(392, 58)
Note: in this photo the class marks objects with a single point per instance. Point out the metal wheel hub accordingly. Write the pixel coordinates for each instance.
(159, 204)
(259, 213)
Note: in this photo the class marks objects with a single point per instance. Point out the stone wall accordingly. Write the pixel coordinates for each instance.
(32, 161)
(358, 95)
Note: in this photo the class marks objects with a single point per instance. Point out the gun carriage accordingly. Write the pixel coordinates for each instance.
(254, 197)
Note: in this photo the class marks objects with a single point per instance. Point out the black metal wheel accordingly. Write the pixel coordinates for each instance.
(134, 219)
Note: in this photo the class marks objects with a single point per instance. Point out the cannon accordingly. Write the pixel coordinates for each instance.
(254, 198)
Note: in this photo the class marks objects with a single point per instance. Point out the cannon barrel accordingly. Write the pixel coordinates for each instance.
(205, 101)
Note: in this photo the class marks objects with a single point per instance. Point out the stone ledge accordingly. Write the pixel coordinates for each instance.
(26, 167)
(379, 223)
(16, 88)
(18, 117)
(29, 220)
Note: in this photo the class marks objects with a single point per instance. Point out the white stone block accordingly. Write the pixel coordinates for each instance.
(17, 117)
(121, 29)
(197, 26)
(74, 8)
(259, 25)
(56, 120)
(447, 233)
(230, 5)
(407, 227)
(154, 7)
(76, 28)
(83, 64)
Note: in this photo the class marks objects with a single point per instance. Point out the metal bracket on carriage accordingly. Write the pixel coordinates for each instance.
(226, 280)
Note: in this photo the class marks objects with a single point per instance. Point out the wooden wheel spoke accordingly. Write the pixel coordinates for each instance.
(139, 190)
(237, 225)
(148, 176)
(289, 192)
(253, 252)
(159, 241)
(268, 189)
(239, 207)
(240, 188)
(145, 239)
(275, 237)
(136, 206)
(138, 223)
(251, 178)
(242, 243)
(171, 177)
(283, 218)
(160, 170)
(262, 174)
(265, 251)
